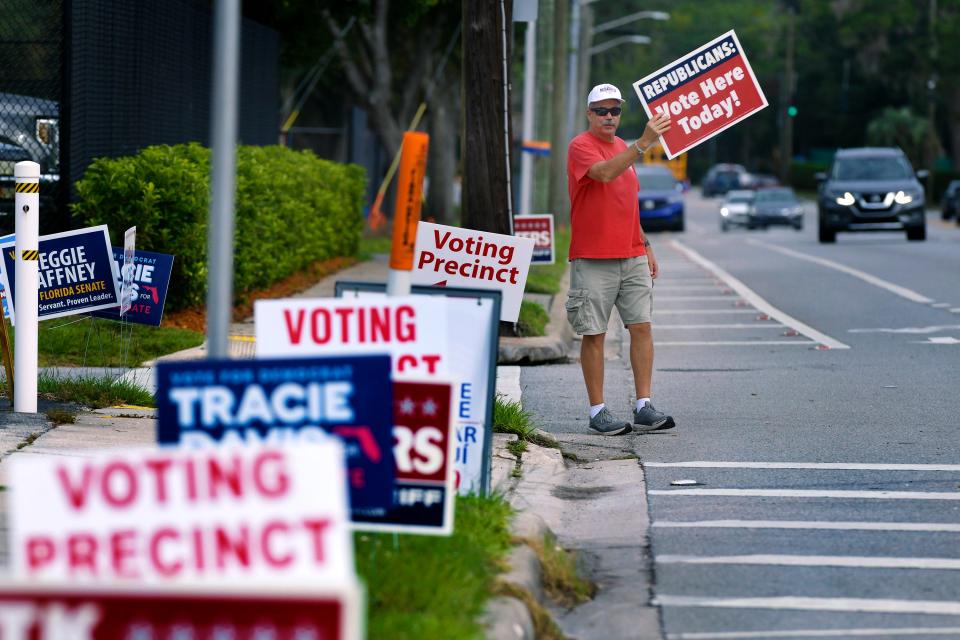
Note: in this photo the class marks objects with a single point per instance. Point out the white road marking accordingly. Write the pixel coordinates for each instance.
(787, 560)
(903, 292)
(915, 527)
(733, 343)
(910, 330)
(841, 466)
(940, 305)
(817, 633)
(756, 325)
(809, 493)
(849, 605)
(754, 299)
(956, 310)
(691, 311)
(940, 340)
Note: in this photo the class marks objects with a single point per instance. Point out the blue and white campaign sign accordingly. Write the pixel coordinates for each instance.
(3, 292)
(76, 273)
(201, 403)
(126, 272)
(151, 278)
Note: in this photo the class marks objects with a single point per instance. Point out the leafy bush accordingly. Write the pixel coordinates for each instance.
(292, 209)
(802, 175)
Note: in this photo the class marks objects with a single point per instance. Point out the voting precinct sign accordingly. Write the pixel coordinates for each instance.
(101, 612)
(539, 228)
(706, 91)
(277, 400)
(454, 257)
(412, 329)
(150, 280)
(472, 318)
(76, 273)
(254, 514)
(424, 449)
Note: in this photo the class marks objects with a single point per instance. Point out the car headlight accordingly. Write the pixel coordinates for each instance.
(724, 211)
(902, 197)
(796, 211)
(846, 199)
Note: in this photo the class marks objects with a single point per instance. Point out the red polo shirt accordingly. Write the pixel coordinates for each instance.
(604, 216)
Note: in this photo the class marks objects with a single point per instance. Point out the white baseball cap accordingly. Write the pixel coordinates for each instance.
(604, 92)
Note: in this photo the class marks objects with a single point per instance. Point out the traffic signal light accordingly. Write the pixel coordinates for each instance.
(792, 111)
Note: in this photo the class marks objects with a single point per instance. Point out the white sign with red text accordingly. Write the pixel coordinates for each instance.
(265, 515)
(455, 257)
(412, 329)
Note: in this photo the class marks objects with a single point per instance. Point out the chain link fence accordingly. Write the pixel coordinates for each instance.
(31, 65)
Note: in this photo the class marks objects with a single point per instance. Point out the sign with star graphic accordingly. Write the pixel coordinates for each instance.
(424, 450)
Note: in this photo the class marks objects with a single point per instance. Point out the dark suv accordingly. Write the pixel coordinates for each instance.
(871, 189)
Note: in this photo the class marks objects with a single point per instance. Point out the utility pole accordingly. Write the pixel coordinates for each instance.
(559, 134)
(786, 140)
(529, 108)
(487, 187)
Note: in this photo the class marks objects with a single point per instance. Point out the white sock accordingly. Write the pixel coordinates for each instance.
(595, 409)
(641, 402)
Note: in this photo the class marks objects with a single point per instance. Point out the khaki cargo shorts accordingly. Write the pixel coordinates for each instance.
(597, 285)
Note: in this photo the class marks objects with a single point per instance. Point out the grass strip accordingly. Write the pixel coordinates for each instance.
(543, 625)
(93, 391)
(545, 278)
(533, 320)
(424, 587)
(96, 342)
(381, 242)
(559, 573)
(510, 417)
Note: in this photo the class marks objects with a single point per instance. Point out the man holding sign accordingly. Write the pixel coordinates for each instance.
(612, 261)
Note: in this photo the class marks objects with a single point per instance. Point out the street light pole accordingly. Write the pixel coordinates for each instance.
(527, 133)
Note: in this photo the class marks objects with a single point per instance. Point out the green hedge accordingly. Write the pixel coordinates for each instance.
(802, 175)
(292, 209)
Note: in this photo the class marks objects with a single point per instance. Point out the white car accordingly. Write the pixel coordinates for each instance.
(735, 209)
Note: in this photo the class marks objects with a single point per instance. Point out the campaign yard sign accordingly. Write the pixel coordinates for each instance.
(69, 612)
(538, 227)
(424, 449)
(412, 329)
(126, 272)
(76, 273)
(470, 359)
(256, 514)
(285, 400)
(151, 279)
(706, 91)
(454, 257)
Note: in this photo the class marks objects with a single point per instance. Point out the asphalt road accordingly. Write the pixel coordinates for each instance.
(815, 389)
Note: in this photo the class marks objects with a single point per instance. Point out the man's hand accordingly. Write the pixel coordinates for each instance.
(657, 126)
(652, 262)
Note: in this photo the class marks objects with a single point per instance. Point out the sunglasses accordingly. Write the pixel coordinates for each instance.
(602, 111)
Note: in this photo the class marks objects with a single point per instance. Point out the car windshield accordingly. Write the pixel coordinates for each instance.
(740, 196)
(657, 182)
(775, 195)
(875, 168)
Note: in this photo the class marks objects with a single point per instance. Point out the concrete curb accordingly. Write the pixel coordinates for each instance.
(549, 348)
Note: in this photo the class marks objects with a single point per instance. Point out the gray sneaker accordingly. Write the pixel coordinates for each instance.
(649, 419)
(605, 424)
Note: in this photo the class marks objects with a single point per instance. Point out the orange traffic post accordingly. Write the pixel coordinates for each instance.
(406, 214)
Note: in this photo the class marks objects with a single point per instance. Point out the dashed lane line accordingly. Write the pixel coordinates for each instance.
(791, 560)
(758, 302)
(896, 289)
(910, 527)
(841, 466)
(808, 493)
(845, 605)
(818, 633)
(733, 343)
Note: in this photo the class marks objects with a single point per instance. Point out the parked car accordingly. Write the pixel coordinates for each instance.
(29, 130)
(950, 201)
(735, 209)
(661, 199)
(761, 180)
(871, 189)
(721, 178)
(775, 206)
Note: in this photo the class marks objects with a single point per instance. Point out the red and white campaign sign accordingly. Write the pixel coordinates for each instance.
(258, 514)
(424, 450)
(455, 257)
(412, 329)
(539, 227)
(706, 91)
(66, 612)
